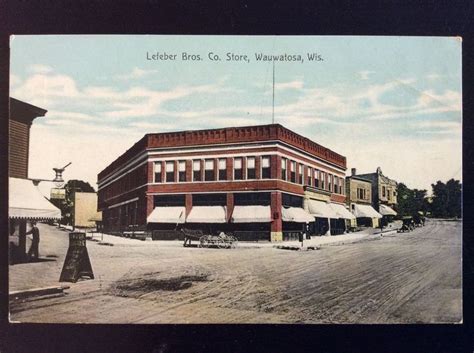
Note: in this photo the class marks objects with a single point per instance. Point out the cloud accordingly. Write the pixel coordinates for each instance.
(364, 75)
(14, 81)
(40, 69)
(135, 74)
(298, 84)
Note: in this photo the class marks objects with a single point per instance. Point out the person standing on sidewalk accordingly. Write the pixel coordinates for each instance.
(34, 249)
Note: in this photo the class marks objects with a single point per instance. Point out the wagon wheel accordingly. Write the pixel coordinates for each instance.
(233, 242)
(221, 244)
(202, 241)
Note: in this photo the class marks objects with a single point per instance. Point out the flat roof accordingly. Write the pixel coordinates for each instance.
(227, 135)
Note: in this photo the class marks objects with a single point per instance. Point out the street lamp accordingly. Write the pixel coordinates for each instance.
(58, 180)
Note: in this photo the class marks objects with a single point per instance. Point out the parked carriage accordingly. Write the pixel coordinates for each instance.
(221, 241)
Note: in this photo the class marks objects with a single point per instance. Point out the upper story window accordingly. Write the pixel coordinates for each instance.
(300, 174)
(329, 182)
(209, 170)
(316, 178)
(283, 168)
(309, 175)
(182, 171)
(222, 169)
(238, 175)
(158, 172)
(251, 168)
(383, 191)
(266, 167)
(342, 184)
(293, 171)
(197, 170)
(169, 172)
(323, 180)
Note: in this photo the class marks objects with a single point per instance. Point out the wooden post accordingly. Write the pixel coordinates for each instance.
(22, 240)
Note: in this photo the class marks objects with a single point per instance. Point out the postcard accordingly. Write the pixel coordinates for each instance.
(235, 179)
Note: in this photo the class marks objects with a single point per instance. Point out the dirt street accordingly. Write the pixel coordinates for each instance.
(399, 278)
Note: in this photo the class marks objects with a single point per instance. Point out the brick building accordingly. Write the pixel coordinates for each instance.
(359, 200)
(260, 182)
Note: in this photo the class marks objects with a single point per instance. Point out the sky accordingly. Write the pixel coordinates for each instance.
(389, 102)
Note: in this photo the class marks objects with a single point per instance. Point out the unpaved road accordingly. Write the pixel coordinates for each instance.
(400, 278)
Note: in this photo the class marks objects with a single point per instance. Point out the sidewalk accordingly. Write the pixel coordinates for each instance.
(369, 233)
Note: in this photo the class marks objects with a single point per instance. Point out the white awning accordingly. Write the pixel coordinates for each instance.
(295, 214)
(207, 214)
(341, 211)
(167, 215)
(27, 202)
(386, 211)
(251, 214)
(321, 209)
(365, 211)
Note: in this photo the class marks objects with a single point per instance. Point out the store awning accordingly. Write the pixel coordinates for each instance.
(167, 215)
(341, 211)
(207, 214)
(384, 210)
(295, 214)
(27, 202)
(251, 214)
(321, 209)
(365, 211)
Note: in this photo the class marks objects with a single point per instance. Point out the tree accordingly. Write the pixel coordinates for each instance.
(446, 199)
(410, 202)
(67, 205)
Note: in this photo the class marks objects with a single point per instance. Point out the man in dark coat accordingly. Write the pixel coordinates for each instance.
(34, 249)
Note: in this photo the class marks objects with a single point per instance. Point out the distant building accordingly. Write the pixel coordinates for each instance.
(259, 182)
(384, 193)
(359, 200)
(85, 210)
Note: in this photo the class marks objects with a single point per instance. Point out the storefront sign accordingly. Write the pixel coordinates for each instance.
(58, 194)
(77, 263)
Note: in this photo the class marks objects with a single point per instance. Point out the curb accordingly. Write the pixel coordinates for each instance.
(36, 292)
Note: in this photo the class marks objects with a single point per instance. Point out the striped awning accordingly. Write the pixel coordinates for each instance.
(27, 202)
(295, 214)
(251, 214)
(167, 215)
(207, 214)
(341, 211)
(365, 211)
(384, 210)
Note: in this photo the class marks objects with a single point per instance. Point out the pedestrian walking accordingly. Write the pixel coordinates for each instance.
(34, 249)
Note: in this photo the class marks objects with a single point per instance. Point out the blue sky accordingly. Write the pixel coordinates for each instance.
(393, 102)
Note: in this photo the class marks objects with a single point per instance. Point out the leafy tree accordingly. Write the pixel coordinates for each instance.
(67, 205)
(446, 199)
(410, 201)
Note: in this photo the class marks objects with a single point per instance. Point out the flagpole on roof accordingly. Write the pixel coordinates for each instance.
(273, 95)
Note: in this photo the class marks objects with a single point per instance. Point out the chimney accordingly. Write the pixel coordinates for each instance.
(353, 171)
